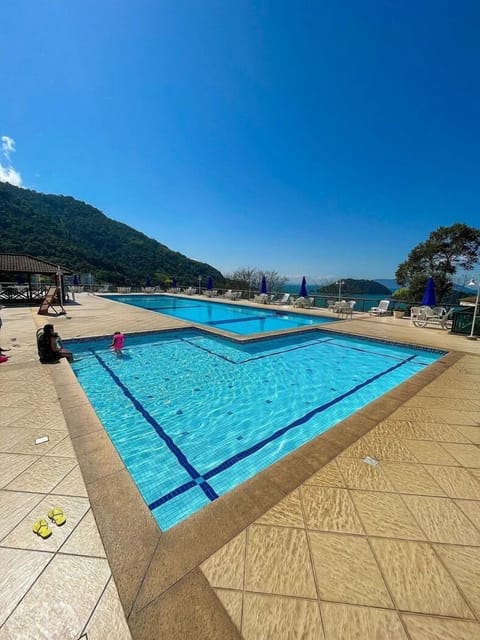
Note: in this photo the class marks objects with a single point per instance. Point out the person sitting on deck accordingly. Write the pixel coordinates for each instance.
(50, 347)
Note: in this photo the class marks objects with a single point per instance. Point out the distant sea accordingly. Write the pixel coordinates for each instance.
(312, 290)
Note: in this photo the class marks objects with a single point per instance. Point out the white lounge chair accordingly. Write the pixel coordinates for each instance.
(346, 308)
(308, 302)
(261, 298)
(304, 303)
(381, 310)
(283, 300)
(437, 316)
(190, 291)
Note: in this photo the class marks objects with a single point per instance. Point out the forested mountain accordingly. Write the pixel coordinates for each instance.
(72, 233)
(352, 287)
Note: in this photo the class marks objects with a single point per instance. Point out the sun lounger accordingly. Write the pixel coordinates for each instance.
(382, 308)
(436, 316)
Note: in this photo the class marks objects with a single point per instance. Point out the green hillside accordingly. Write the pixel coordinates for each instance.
(356, 287)
(66, 231)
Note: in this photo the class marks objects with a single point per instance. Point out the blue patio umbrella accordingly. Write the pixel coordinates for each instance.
(303, 293)
(148, 282)
(174, 283)
(429, 299)
(263, 285)
(209, 283)
(76, 281)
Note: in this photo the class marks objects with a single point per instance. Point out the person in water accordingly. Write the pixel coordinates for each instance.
(118, 342)
(50, 347)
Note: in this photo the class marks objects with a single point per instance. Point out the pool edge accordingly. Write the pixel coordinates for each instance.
(148, 565)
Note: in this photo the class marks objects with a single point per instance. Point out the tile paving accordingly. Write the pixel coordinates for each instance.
(322, 546)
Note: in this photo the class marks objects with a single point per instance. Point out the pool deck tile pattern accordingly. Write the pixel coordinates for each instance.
(319, 546)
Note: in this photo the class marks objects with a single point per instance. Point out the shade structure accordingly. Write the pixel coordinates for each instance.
(174, 283)
(303, 293)
(148, 282)
(429, 299)
(76, 280)
(209, 283)
(263, 285)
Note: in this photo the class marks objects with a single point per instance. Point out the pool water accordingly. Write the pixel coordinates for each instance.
(194, 415)
(239, 319)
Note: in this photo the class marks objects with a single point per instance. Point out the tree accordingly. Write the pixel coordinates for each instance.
(249, 278)
(444, 252)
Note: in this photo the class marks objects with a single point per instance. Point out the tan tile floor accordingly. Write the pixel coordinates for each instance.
(62, 586)
(390, 552)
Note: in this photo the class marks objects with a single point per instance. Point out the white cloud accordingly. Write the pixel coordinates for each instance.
(8, 146)
(7, 172)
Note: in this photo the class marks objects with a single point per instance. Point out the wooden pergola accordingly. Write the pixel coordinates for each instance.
(17, 267)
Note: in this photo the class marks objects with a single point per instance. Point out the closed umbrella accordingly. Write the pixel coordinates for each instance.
(209, 283)
(148, 282)
(174, 283)
(76, 281)
(429, 299)
(263, 285)
(303, 293)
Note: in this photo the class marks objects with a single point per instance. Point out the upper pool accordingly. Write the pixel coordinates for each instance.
(239, 319)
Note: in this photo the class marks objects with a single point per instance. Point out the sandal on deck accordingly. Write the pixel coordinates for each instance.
(42, 529)
(56, 514)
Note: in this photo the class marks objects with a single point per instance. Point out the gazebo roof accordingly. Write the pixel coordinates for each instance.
(21, 263)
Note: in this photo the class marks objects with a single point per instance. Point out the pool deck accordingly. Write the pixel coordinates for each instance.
(319, 546)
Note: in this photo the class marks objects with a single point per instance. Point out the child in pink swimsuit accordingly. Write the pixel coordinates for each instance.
(118, 342)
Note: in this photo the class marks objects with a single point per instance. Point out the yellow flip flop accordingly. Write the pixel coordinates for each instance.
(56, 514)
(42, 529)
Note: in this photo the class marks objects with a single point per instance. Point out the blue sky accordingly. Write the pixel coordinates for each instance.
(316, 138)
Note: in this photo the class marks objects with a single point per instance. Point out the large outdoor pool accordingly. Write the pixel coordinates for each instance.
(193, 415)
(239, 319)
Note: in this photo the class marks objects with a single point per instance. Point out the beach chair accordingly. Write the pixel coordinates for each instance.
(300, 302)
(347, 308)
(50, 301)
(283, 300)
(381, 310)
(437, 316)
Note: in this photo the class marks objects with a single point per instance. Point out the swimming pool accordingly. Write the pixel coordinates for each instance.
(239, 319)
(194, 415)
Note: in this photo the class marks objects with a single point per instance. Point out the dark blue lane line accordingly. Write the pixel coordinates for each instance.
(266, 355)
(177, 452)
(172, 494)
(213, 323)
(282, 351)
(302, 420)
(370, 353)
(183, 306)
